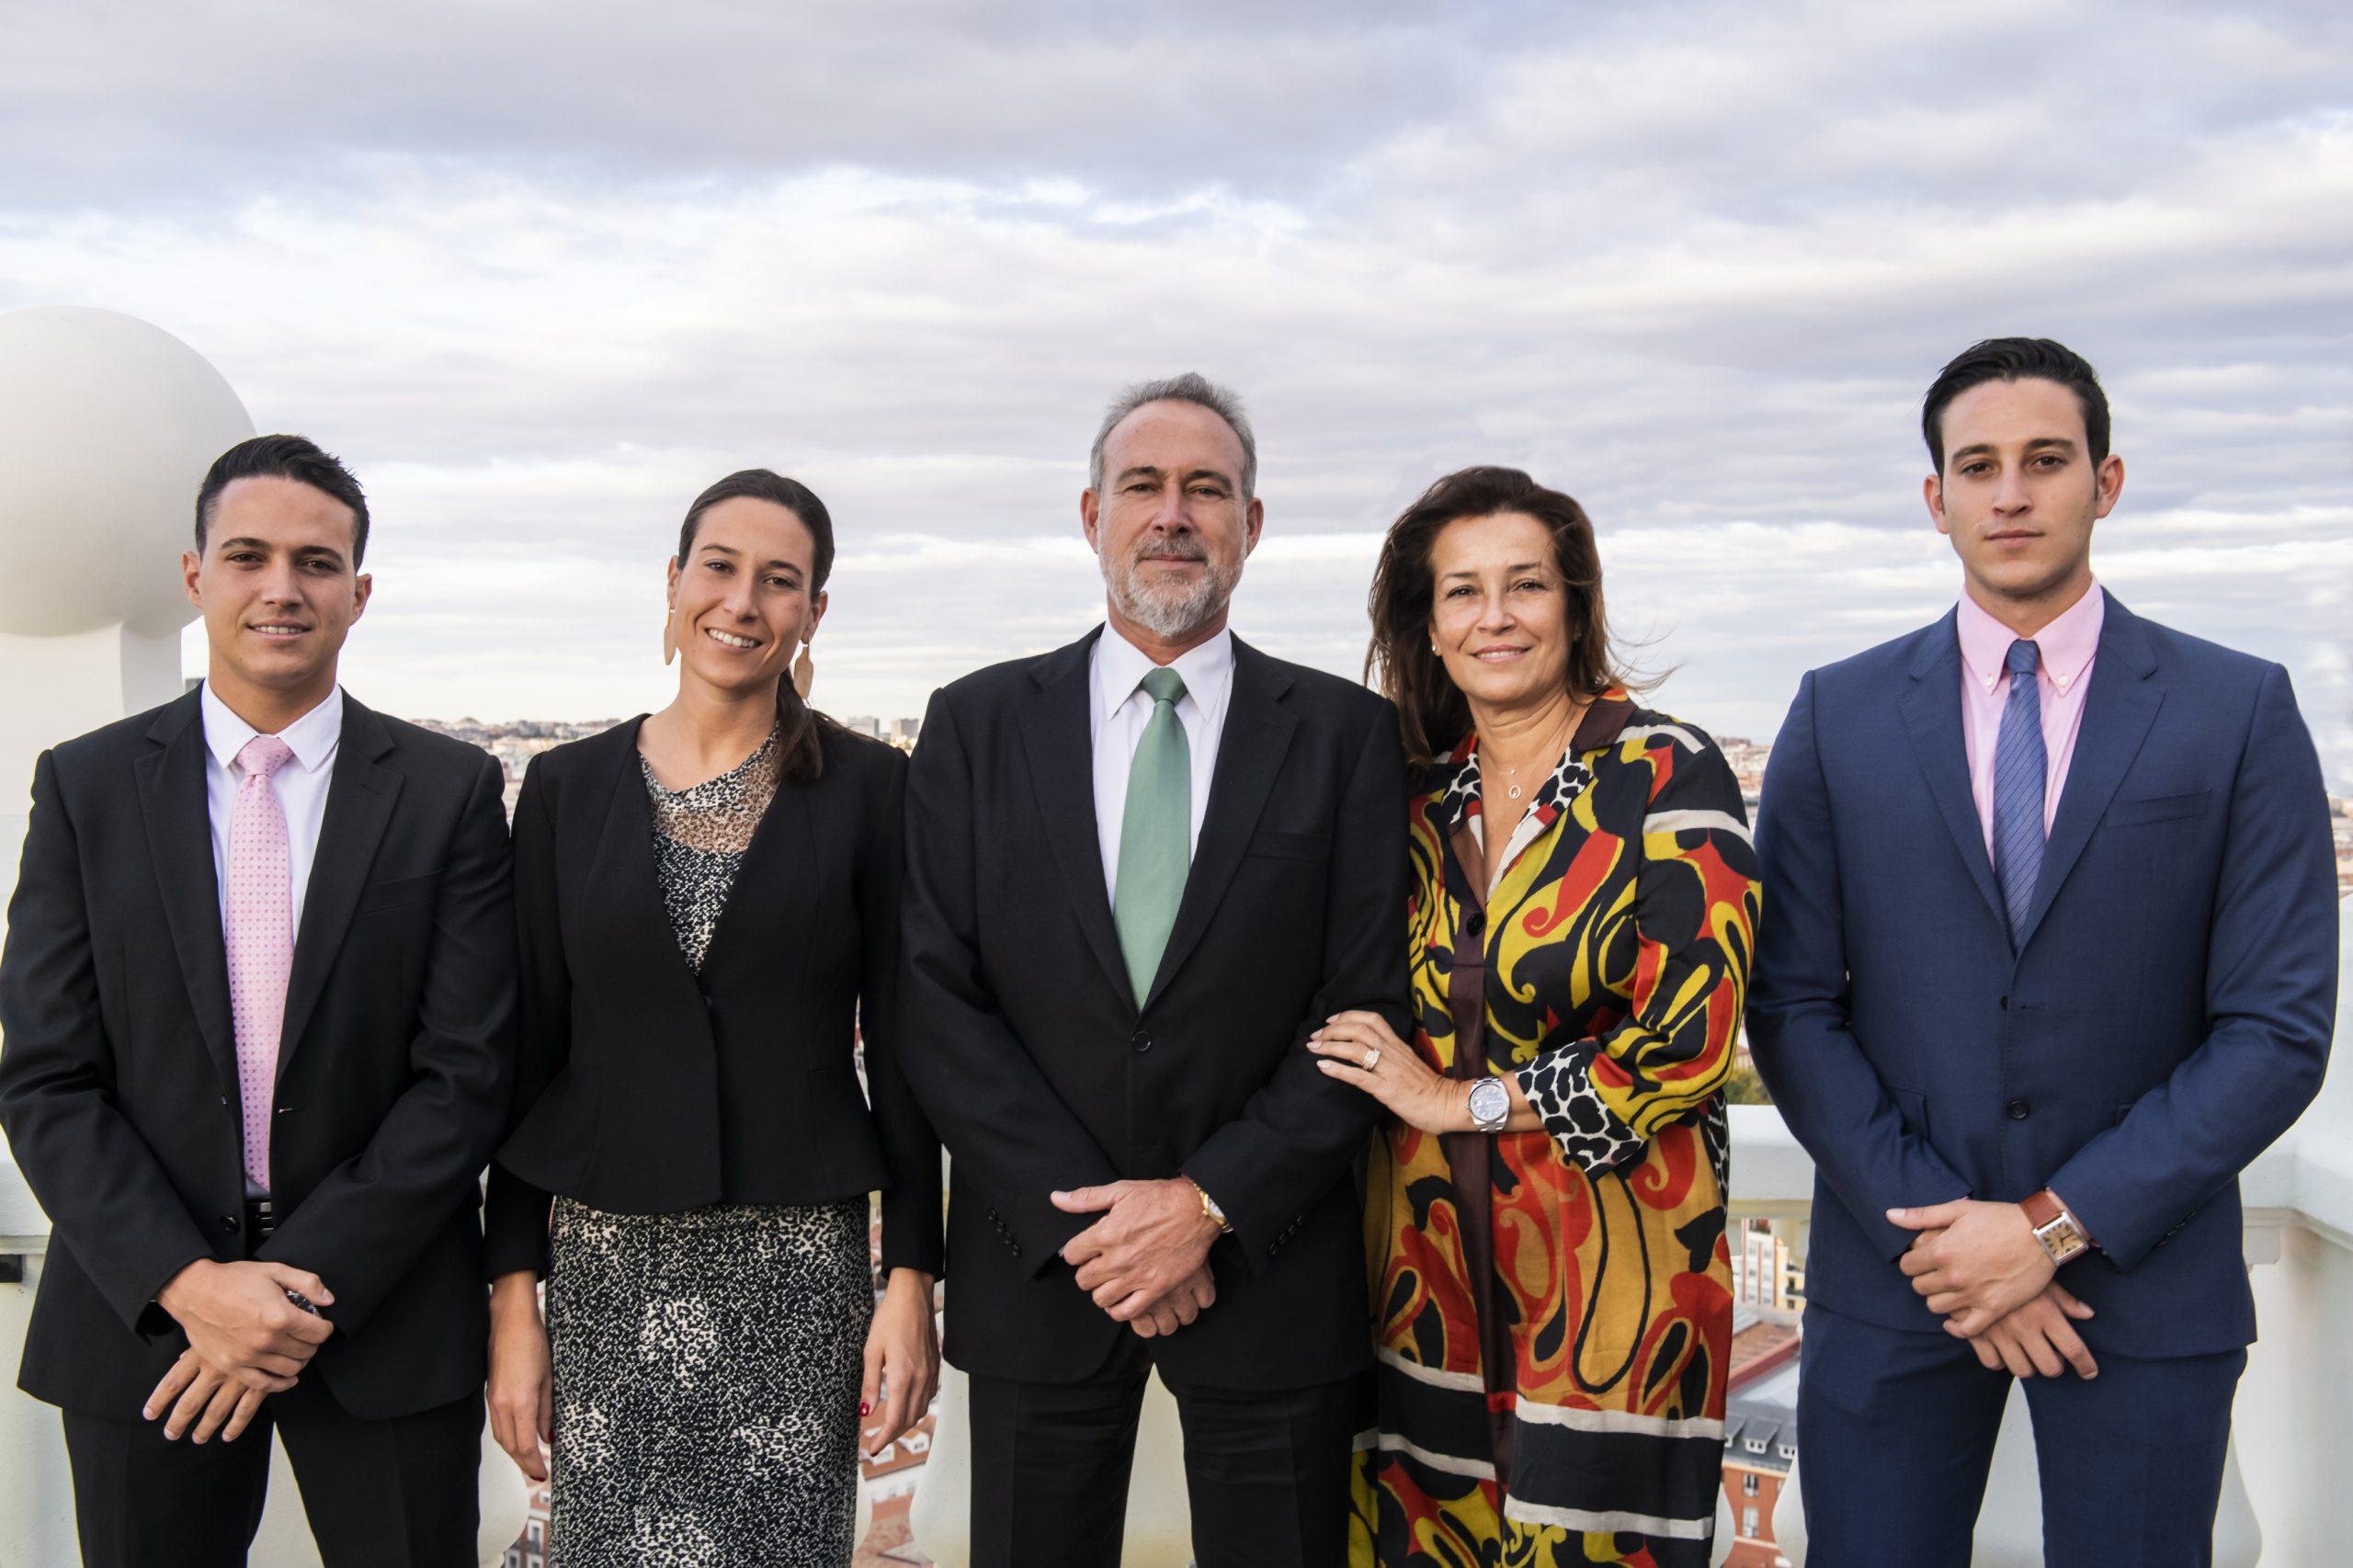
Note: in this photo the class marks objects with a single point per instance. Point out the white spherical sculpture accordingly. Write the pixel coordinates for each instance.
(106, 425)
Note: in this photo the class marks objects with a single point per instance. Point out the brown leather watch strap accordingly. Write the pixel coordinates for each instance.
(2041, 1208)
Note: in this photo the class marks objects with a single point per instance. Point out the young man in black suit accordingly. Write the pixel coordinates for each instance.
(257, 996)
(1142, 868)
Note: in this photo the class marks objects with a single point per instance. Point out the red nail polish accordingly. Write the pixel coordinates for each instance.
(864, 1408)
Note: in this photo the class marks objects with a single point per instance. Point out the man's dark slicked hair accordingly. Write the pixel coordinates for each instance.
(297, 458)
(2009, 359)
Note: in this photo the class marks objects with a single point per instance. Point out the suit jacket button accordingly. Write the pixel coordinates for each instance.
(229, 1224)
(1140, 1041)
(2018, 1110)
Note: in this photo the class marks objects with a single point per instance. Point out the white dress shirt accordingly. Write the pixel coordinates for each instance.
(1120, 710)
(300, 784)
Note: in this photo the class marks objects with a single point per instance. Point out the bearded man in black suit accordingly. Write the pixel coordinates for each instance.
(1142, 868)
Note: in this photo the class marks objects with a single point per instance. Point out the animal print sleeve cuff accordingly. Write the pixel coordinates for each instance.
(1559, 1087)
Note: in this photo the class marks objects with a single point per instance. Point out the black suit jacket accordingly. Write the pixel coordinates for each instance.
(648, 1089)
(1043, 1072)
(119, 1074)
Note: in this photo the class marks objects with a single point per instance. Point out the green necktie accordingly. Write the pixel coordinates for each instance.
(1155, 835)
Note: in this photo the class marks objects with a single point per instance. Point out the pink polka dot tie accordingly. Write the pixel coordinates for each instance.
(260, 939)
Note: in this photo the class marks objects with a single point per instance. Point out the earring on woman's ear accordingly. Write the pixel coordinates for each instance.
(669, 636)
(805, 673)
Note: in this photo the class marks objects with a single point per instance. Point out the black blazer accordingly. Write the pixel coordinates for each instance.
(118, 1076)
(1042, 1071)
(646, 1089)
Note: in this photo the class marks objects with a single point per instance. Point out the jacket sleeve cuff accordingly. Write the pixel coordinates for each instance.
(911, 1236)
(515, 1226)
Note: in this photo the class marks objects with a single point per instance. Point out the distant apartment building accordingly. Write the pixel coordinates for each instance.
(530, 1548)
(1765, 1274)
(515, 741)
(1747, 759)
(1760, 1436)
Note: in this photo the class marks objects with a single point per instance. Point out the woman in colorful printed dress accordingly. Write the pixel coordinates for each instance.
(1545, 1212)
(707, 903)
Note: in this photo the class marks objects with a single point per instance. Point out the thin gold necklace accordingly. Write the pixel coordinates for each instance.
(1512, 789)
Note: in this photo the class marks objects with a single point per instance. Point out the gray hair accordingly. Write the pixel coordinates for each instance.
(1192, 387)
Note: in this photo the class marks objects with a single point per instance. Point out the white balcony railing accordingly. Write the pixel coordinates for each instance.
(2285, 1505)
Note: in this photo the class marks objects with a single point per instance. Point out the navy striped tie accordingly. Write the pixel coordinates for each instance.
(2021, 768)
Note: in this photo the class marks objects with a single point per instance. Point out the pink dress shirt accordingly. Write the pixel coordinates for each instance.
(2068, 646)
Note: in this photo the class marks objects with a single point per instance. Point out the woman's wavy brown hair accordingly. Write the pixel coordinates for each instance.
(1431, 710)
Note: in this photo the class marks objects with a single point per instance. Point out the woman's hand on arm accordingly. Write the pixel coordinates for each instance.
(1414, 1092)
(522, 1386)
(902, 1358)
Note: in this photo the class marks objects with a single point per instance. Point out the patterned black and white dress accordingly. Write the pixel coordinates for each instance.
(707, 1364)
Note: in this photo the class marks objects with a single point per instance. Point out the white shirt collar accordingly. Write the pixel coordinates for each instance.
(1120, 667)
(313, 738)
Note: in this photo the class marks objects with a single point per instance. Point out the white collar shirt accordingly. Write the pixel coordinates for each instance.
(300, 785)
(1117, 716)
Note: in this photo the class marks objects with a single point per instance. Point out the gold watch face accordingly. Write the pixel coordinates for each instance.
(2060, 1239)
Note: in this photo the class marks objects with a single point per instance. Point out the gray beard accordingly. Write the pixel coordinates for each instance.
(1171, 614)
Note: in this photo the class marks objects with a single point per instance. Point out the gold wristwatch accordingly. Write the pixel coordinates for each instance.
(1215, 1215)
(2055, 1228)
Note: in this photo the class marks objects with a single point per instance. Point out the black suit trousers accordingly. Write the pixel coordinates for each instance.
(402, 1493)
(1265, 1470)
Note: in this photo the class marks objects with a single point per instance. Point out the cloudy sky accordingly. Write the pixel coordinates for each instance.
(541, 272)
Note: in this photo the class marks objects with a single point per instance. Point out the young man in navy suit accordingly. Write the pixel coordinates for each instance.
(2049, 958)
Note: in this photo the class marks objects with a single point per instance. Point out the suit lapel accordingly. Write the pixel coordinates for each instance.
(1932, 713)
(766, 904)
(1249, 755)
(623, 868)
(172, 802)
(360, 796)
(1058, 737)
(2117, 711)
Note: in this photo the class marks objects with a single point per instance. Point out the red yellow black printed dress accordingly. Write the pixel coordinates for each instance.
(1552, 1340)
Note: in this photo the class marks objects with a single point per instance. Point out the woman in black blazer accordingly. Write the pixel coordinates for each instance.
(707, 901)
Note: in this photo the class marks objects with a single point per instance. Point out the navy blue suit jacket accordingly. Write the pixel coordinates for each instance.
(2166, 1015)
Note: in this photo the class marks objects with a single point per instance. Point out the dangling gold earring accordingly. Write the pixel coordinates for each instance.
(669, 637)
(805, 673)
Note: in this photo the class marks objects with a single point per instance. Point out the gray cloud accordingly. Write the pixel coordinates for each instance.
(542, 275)
(243, 96)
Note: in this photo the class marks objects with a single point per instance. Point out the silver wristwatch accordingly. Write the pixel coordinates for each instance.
(1490, 1105)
